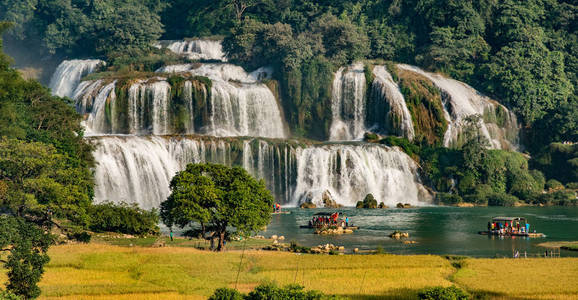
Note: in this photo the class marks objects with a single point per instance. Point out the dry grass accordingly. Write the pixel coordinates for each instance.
(535, 278)
(101, 271)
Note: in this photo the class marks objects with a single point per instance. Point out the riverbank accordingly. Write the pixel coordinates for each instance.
(572, 246)
(100, 270)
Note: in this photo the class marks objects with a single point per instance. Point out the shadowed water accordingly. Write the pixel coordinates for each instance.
(437, 230)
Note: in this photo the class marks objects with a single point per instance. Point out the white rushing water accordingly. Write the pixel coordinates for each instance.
(199, 49)
(138, 169)
(240, 104)
(69, 73)
(350, 172)
(348, 104)
(389, 106)
(460, 101)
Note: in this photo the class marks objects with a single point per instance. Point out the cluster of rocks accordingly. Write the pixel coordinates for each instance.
(326, 199)
(402, 205)
(327, 248)
(333, 230)
(399, 235)
(276, 239)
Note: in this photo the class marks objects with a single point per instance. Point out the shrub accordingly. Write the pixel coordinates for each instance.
(553, 184)
(272, 291)
(447, 198)
(123, 218)
(443, 293)
(572, 185)
(502, 199)
(226, 294)
(83, 237)
(480, 195)
(562, 198)
(6, 295)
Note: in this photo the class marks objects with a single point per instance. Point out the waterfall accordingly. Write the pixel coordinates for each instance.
(138, 169)
(387, 110)
(240, 104)
(350, 172)
(498, 125)
(69, 73)
(198, 49)
(348, 104)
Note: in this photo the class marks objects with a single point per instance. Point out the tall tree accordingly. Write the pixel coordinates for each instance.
(26, 245)
(228, 200)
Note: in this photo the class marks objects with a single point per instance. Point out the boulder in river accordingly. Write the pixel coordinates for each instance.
(399, 235)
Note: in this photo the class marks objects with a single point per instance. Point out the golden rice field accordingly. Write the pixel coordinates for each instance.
(102, 271)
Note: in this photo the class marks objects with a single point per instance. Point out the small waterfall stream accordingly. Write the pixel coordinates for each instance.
(348, 104)
(68, 74)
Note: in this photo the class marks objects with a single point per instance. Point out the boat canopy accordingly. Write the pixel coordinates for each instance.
(508, 219)
(326, 213)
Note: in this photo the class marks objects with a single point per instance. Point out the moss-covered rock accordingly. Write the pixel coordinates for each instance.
(424, 103)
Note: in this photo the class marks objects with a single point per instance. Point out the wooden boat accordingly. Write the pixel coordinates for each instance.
(318, 227)
(510, 226)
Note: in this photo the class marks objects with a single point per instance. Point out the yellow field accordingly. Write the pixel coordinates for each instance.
(100, 271)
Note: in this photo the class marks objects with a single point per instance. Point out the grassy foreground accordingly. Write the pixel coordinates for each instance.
(104, 271)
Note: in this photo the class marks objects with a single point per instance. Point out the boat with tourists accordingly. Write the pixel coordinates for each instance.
(278, 211)
(328, 219)
(510, 226)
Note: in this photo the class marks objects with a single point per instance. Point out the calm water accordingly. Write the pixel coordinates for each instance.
(437, 230)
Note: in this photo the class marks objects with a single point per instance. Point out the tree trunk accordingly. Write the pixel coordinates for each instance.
(221, 241)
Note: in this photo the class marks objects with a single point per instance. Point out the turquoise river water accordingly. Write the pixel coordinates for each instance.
(436, 230)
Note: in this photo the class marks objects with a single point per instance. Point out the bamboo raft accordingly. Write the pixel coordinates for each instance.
(522, 234)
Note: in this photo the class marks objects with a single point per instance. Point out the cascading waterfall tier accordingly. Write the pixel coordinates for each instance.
(387, 111)
(497, 124)
(138, 169)
(69, 73)
(348, 104)
(240, 104)
(217, 100)
(197, 49)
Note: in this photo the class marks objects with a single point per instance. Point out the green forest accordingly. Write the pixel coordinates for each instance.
(522, 53)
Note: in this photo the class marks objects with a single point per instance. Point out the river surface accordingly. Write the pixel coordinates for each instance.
(436, 230)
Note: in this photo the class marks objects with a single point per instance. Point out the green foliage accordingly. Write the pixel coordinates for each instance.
(86, 27)
(7, 295)
(26, 245)
(226, 200)
(40, 179)
(368, 202)
(560, 198)
(558, 161)
(424, 103)
(123, 218)
(408, 147)
(272, 291)
(553, 184)
(226, 294)
(443, 293)
(451, 199)
(501, 199)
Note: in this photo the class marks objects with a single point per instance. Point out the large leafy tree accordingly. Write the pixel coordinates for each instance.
(26, 245)
(223, 199)
(44, 161)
